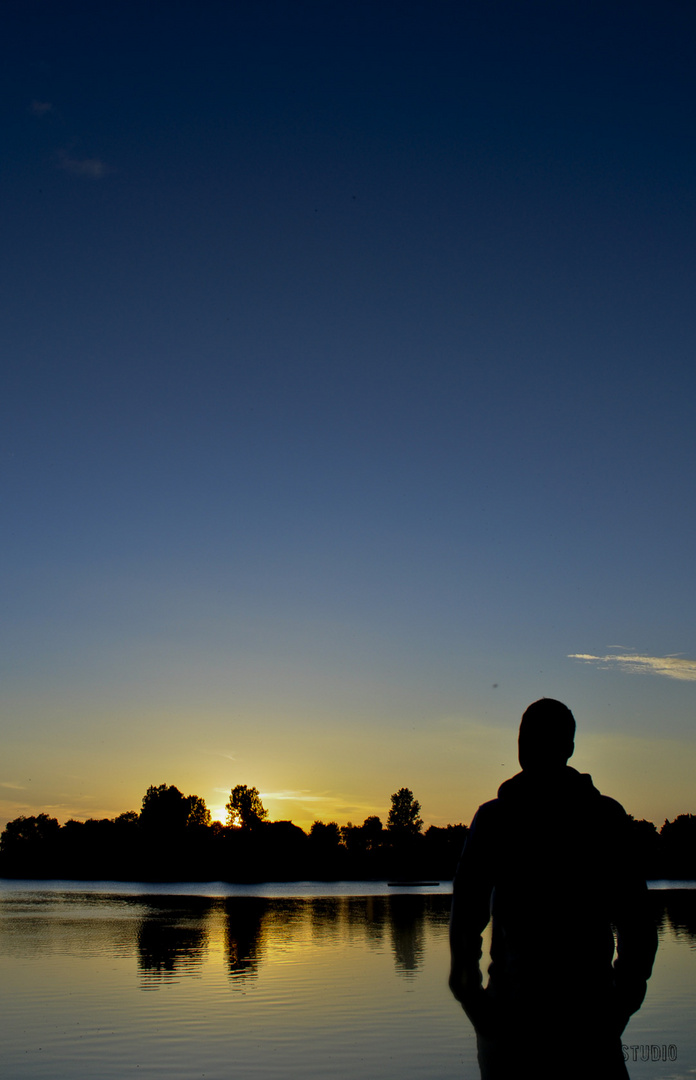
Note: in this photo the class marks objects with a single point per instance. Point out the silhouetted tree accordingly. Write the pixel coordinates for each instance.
(281, 849)
(678, 840)
(404, 840)
(352, 838)
(167, 809)
(646, 845)
(442, 849)
(164, 809)
(244, 808)
(29, 845)
(325, 849)
(362, 844)
(173, 841)
(326, 834)
(404, 816)
(373, 832)
(199, 814)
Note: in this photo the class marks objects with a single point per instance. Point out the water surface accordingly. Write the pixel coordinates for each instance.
(340, 981)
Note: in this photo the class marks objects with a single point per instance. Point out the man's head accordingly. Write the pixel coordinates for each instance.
(547, 733)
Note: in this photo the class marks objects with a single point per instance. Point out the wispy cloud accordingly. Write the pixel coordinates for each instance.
(322, 802)
(13, 787)
(94, 168)
(289, 795)
(673, 667)
(299, 796)
(40, 108)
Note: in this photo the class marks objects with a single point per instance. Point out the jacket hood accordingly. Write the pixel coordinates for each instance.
(561, 785)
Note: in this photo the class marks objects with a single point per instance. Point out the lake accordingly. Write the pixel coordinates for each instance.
(116, 980)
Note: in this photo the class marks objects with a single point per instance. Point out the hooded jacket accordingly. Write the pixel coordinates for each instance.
(550, 862)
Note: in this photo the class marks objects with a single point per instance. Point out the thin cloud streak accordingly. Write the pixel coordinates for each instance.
(303, 796)
(337, 802)
(95, 168)
(672, 667)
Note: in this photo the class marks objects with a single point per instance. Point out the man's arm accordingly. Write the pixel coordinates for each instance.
(636, 933)
(472, 888)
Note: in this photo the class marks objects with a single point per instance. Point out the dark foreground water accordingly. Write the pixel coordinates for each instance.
(311, 981)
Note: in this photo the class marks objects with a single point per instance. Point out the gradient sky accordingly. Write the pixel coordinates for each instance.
(347, 401)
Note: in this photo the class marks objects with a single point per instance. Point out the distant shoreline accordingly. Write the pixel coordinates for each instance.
(264, 889)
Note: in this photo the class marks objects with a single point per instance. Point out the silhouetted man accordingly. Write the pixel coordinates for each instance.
(550, 862)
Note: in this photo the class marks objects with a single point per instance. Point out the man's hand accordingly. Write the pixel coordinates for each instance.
(466, 987)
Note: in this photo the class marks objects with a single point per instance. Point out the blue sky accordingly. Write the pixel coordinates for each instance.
(348, 392)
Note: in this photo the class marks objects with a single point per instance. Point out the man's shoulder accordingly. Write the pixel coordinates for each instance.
(570, 792)
(612, 812)
(486, 816)
(565, 785)
(612, 806)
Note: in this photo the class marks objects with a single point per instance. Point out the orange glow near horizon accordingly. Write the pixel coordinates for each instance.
(451, 770)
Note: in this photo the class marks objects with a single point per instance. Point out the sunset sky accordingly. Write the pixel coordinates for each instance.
(348, 399)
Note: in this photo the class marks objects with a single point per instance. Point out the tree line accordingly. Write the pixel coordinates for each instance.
(172, 837)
